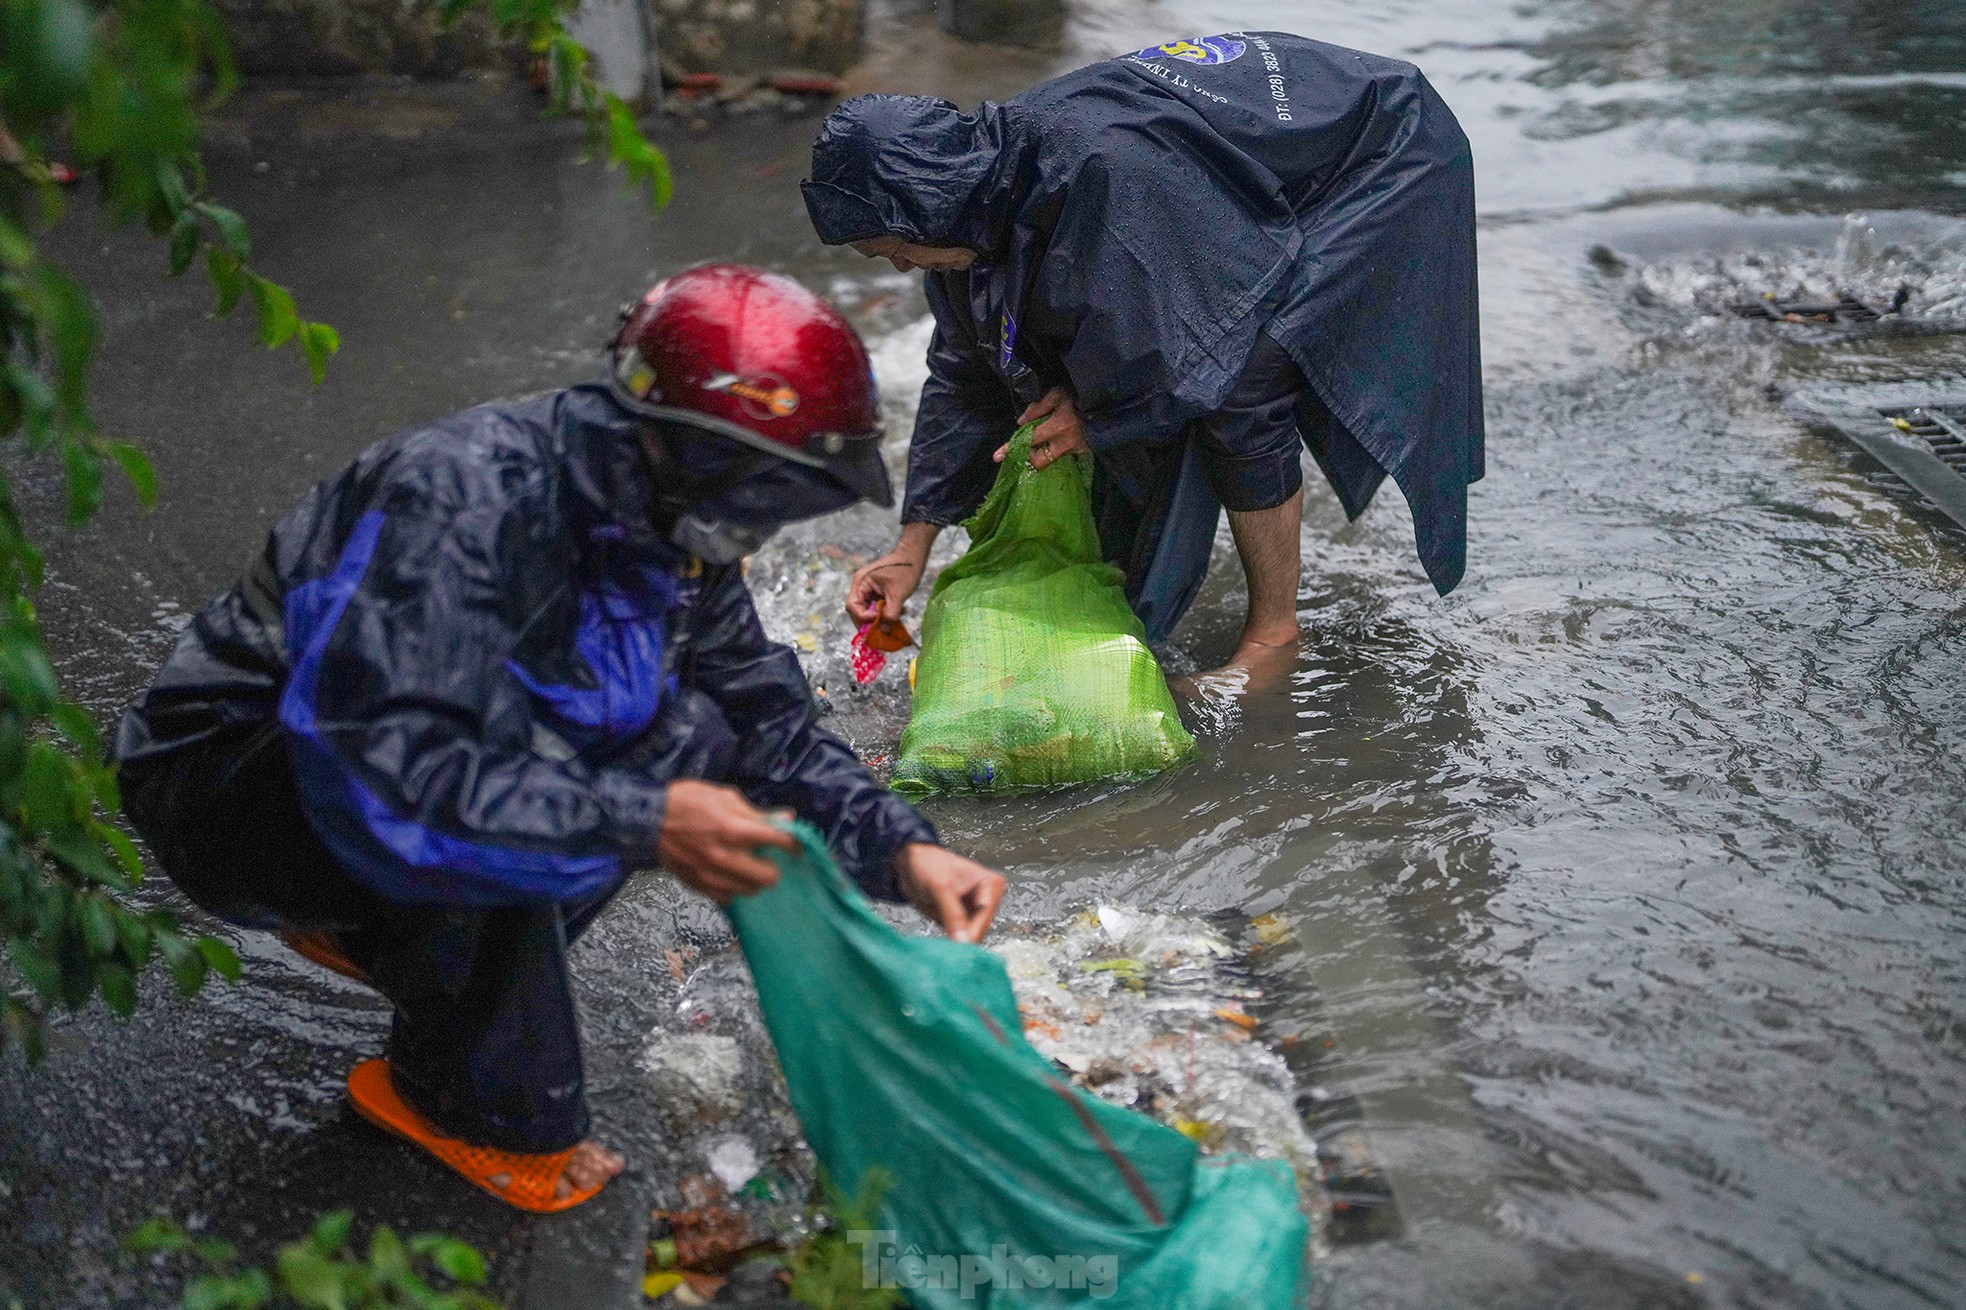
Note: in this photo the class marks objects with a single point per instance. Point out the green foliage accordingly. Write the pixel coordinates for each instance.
(124, 87)
(612, 130)
(828, 1271)
(325, 1271)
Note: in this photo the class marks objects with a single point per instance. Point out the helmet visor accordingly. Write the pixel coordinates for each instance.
(860, 466)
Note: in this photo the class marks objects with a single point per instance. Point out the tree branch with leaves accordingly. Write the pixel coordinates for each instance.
(124, 86)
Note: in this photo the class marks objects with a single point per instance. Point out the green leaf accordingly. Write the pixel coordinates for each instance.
(51, 64)
(16, 247)
(158, 1234)
(68, 323)
(25, 674)
(74, 723)
(224, 961)
(35, 400)
(278, 318)
(387, 1256)
(98, 929)
(228, 279)
(331, 1231)
(25, 1027)
(231, 229)
(209, 1292)
(46, 802)
(184, 242)
(255, 1288)
(84, 468)
(630, 148)
(459, 1261)
(186, 965)
(36, 967)
(69, 327)
(320, 342)
(215, 1251)
(121, 847)
(118, 987)
(137, 468)
(310, 1278)
(170, 181)
(135, 936)
(79, 850)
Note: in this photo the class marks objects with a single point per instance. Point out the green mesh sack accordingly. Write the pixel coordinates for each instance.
(1034, 670)
(1006, 1186)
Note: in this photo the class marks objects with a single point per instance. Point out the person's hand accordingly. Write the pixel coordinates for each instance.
(1062, 433)
(710, 838)
(881, 587)
(957, 893)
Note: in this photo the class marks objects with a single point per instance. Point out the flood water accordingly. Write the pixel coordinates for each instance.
(1629, 880)
(1632, 875)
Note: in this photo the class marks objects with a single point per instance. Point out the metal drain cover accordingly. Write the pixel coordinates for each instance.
(1918, 431)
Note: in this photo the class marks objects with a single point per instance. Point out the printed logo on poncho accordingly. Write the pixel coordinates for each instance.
(1006, 340)
(1201, 50)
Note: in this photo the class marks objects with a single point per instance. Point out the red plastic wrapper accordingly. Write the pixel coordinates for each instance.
(873, 644)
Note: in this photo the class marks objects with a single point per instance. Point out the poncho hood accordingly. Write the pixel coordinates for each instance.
(917, 168)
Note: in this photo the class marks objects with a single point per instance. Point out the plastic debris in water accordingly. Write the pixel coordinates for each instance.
(1270, 929)
(659, 1284)
(734, 1162)
(707, 1235)
(873, 644)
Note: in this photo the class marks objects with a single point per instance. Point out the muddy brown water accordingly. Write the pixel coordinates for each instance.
(1629, 879)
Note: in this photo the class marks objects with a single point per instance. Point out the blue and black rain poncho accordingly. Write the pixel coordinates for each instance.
(1142, 220)
(485, 666)
(438, 718)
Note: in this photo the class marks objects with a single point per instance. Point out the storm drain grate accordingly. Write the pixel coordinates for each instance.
(1919, 433)
(1940, 428)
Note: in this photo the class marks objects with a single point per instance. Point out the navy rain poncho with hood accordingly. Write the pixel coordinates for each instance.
(439, 715)
(1139, 223)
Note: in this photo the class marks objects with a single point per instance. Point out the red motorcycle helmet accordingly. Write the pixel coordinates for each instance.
(755, 357)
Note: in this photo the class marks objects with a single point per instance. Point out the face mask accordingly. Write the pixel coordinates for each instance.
(717, 543)
(724, 501)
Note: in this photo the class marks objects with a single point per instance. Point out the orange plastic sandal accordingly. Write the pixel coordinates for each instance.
(324, 949)
(531, 1179)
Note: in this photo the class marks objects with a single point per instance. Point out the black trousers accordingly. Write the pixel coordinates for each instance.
(1250, 448)
(1157, 503)
(486, 1041)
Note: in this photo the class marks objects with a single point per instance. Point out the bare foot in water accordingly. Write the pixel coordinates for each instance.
(1259, 664)
(590, 1165)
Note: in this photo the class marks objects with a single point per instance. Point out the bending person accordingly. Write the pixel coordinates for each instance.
(500, 662)
(1186, 261)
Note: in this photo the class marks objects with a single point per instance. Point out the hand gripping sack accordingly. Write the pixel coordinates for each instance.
(1007, 1187)
(1034, 671)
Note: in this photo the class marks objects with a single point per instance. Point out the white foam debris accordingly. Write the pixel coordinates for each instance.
(698, 1076)
(1925, 276)
(733, 1161)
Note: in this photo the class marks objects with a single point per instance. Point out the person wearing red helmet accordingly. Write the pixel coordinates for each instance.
(503, 660)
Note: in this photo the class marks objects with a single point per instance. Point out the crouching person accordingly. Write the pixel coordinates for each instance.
(502, 661)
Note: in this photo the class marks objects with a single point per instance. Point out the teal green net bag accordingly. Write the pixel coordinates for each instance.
(1034, 670)
(1007, 1187)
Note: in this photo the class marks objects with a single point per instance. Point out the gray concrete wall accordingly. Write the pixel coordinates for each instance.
(738, 37)
(335, 37)
(743, 37)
